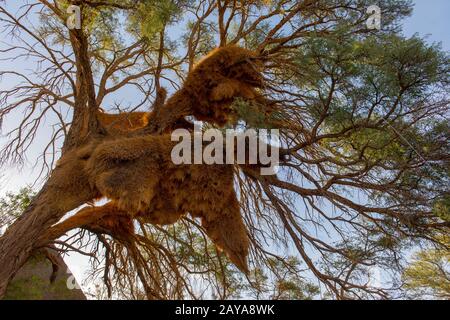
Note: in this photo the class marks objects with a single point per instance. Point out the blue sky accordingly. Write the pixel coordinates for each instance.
(430, 18)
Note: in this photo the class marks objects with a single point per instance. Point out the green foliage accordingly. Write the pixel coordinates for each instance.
(290, 284)
(428, 275)
(26, 289)
(150, 16)
(369, 111)
(253, 116)
(32, 282)
(442, 208)
(12, 205)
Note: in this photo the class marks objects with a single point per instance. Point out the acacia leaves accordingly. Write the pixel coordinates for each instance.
(150, 16)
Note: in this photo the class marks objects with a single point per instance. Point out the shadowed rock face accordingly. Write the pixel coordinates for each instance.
(32, 282)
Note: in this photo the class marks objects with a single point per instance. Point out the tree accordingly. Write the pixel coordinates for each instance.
(218, 277)
(45, 275)
(361, 113)
(13, 205)
(428, 274)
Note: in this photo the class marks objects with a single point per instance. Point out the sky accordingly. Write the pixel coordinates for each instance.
(429, 19)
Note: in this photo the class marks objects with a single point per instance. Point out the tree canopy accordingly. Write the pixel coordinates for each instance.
(362, 112)
(427, 276)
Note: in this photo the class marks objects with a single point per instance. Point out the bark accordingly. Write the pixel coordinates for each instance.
(45, 276)
(84, 123)
(66, 190)
(62, 193)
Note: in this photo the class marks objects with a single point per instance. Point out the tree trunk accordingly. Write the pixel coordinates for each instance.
(59, 195)
(45, 276)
